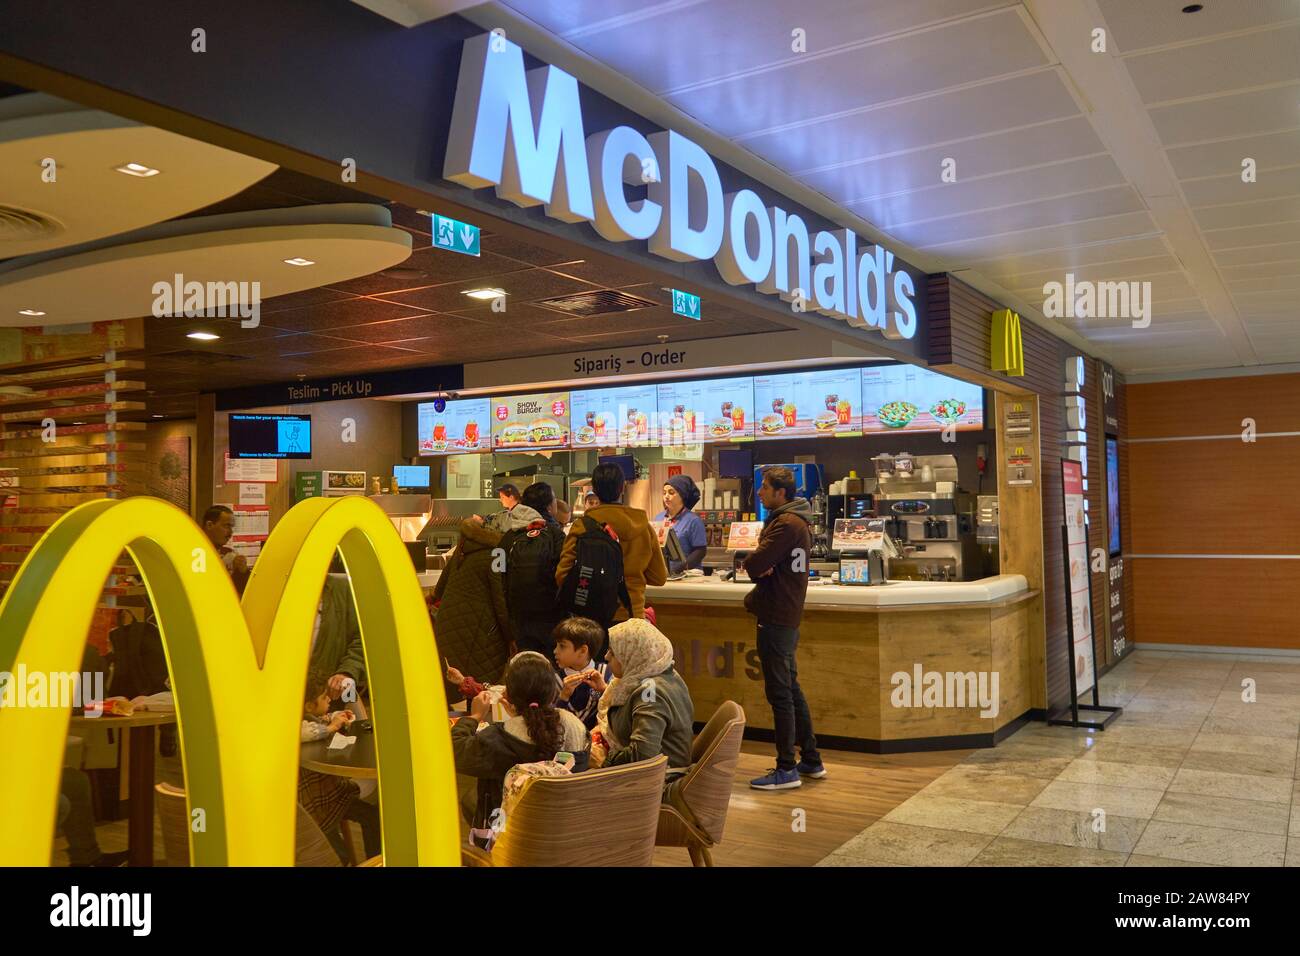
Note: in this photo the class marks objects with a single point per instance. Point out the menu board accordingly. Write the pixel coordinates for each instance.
(1082, 662)
(743, 535)
(614, 416)
(715, 409)
(858, 534)
(809, 403)
(457, 430)
(530, 422)
(906, 398)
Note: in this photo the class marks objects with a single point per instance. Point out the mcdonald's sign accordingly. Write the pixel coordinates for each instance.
(1007, 347)
(238, 674)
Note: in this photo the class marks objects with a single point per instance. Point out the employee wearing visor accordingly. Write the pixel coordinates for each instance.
(680, 496)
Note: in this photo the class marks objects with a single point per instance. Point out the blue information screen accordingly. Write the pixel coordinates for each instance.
(270, 436)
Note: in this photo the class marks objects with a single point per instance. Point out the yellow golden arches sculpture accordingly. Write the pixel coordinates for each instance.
(237, 673)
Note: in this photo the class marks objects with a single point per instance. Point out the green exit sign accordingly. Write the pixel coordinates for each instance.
(454, 235)
(686, 304)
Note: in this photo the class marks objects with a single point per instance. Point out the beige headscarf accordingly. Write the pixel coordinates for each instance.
(644, 652)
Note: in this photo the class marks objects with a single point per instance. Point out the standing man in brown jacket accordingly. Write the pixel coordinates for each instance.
(779, 569)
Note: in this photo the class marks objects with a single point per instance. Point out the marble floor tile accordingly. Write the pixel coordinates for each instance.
(1253, 725)
(1120, 751)
(1226, 813)
(909, 845)
(1234, 785)
(1005, 851)
(1200, 844)
(1278, 748)
(1086, 797)
(1076, 828)
(1140, 860)
(1168, 737)
(1156, 718)
(954, 813)
(963, 784)
(1140, 776)
(1244, 763)
(1048, 768)
(1292, 853)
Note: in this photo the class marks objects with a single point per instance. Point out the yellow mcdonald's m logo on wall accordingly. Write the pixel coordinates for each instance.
(1007, 347)
(238, 674)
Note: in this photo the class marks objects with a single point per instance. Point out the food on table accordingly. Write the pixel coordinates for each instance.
(546, 430)
(585, 435)
(825, 421)
(948, 410)
(771, 424)
(897, 414)
(721, 428)
(514, 434)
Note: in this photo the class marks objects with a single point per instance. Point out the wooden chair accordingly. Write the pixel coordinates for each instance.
(597, 818)
(696, 810)
(310, 846)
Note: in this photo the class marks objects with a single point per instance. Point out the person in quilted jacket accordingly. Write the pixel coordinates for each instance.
(472, 625)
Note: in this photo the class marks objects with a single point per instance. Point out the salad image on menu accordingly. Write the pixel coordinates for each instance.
(904, 397)
(528, 422)
(459, 429)
(808, 404)
(718, 409)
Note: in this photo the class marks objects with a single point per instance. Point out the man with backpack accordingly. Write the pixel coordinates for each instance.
(610, 555)
(532, 552)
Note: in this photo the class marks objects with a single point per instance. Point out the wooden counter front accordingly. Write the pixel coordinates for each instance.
(848, 656)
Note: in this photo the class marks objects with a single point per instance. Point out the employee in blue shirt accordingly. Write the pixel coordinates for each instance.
(680, 496)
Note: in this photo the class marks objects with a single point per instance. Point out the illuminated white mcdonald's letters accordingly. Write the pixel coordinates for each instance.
(522, 132)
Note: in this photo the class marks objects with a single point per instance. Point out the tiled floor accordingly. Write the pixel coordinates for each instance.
(1191, 774)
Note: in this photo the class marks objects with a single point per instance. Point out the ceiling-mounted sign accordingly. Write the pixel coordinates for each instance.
(455, 235)
(686, 304)
(522, 132)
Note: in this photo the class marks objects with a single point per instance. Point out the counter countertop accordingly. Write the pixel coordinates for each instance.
(894, 594)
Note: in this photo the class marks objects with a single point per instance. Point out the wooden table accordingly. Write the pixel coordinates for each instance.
(140, 778)
(357, 761)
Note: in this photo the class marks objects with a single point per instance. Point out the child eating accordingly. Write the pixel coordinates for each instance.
(577, 641)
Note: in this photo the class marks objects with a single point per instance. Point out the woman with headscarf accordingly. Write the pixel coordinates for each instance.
(646, 710)
(680, 496)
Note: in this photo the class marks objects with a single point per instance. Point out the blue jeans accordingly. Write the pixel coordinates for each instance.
(776, 649)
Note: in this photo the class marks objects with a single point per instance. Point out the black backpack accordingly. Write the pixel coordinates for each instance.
(595, 585)
(532, 554)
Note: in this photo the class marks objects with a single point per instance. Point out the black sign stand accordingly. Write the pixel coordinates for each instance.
(1060, 718)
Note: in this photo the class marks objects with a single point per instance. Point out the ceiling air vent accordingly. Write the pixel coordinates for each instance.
(24, 225)
(600, 302)
(199, 355)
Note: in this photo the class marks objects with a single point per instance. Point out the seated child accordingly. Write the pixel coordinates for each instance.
(534, 730)
(329, 799)
(578, 640)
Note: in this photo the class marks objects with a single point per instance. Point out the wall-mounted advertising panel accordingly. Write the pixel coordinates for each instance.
(907, 398)
(535, 422)
(808, 403)
(270, 436)
(713, 409)
(623, 416)
(461, 428)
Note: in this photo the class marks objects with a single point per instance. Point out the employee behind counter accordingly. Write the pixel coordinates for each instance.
(680, 497)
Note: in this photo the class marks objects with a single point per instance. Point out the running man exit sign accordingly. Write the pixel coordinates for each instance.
(686, 304)
(454, 235)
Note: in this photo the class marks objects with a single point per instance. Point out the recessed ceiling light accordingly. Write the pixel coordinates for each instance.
(1194, 8)
(157, 416)
(299, 261)
(78, 423)
(203, 336)
(137, 170)
(484, 293)
(31, 312)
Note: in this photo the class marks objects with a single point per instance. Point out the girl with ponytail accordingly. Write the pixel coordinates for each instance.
(535, 729)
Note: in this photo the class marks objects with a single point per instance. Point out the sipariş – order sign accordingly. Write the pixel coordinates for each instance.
(522, 132)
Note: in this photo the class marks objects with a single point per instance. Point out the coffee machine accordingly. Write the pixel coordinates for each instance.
(931, 521)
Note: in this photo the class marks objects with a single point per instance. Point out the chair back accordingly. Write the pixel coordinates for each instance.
(310, 847)
(174, 818)
(705, 790)
(605, 817)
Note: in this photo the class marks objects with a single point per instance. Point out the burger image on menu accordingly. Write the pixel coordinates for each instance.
(514, 434)
(585, 435)
(545, 431)
(825, 421)
(771, 424)
(721, 428)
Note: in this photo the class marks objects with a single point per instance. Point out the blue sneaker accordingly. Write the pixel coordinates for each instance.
(777, 779)
(814, 770)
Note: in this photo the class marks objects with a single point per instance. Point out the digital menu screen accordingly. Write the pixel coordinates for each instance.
(906, 398)
(270, 436)
(716, 409)
(459, 429)
(1112, 494)
(809, 403)
(614, 416)
(530, 422)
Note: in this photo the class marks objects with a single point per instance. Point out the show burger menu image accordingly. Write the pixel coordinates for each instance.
(459, 429)
(614, 416)
(906, 398)
(528, 422)
(806, 404)
(716, 409)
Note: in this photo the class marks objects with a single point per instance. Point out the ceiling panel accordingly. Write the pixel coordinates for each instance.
(1248, 213)
(1276, 184)
(1136, 24)
(1243, 113)
(1254, 235)
(1257, 270)
(1269, 150)
(1227, 63)
(1124, 226)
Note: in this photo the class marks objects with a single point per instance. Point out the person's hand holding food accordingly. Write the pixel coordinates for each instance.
(481, 706)
(571, 683)
(595, 680)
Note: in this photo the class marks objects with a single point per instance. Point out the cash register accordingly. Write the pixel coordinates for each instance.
(864, 547)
